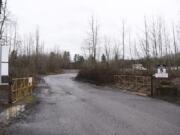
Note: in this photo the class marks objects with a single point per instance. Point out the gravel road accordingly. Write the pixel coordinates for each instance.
(69, 107)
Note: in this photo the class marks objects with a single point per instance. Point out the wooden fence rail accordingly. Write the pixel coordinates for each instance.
(19, 88)
(141, 84)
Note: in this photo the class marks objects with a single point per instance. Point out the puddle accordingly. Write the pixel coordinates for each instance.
(11, 112)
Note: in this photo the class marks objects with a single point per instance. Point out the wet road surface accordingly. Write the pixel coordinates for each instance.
(68, 107)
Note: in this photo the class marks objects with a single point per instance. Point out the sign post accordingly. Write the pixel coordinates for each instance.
(159, 76)
(161, 72)
(0, 63)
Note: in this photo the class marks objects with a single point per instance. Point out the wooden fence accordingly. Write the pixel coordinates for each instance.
(19, 88)
(139, 84)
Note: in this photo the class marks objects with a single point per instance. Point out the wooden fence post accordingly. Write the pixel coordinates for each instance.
(152, 87)
(10, 90)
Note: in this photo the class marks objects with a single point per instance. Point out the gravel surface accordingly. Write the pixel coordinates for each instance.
(68, 107)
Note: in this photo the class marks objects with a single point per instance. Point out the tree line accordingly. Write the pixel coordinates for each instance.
(157, 42)
(28, 56)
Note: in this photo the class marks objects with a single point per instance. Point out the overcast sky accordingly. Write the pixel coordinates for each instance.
(64, 23)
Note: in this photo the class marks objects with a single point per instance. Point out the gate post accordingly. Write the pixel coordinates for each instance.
(152, 87)
(10, 89)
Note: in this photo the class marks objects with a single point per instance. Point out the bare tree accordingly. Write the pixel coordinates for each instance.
(0, 5)
(37, 41)
(175, 46)
(123, 38)
(167, 46)
(107, 48)
(3, 17)
(154, 39)
(146, 33)
(15, 42)
(136, 52)
(116, 50)
(160, 38)
(145, 43)
(93, 38)
(130, 46)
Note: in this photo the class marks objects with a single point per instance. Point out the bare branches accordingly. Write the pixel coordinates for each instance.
(116, 50)
(123, 38)
(146, 32)
(0, 6)
(93, 39)
(107, 48)
(3, 17)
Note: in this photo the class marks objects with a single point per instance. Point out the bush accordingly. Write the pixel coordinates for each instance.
(98, 75)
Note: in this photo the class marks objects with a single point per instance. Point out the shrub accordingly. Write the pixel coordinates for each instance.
(98, 75)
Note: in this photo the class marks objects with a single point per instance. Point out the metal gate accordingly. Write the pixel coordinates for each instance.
(139, 84)
(19, 88)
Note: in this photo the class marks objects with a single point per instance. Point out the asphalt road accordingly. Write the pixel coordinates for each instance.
(68, 107)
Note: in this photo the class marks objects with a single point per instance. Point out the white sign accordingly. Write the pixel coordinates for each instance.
(5, 54)
(30, 81)
(161, 75)
(4, 69)
(4, 59)
(161, 72)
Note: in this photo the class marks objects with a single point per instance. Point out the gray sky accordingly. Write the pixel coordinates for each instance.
(64, 23)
